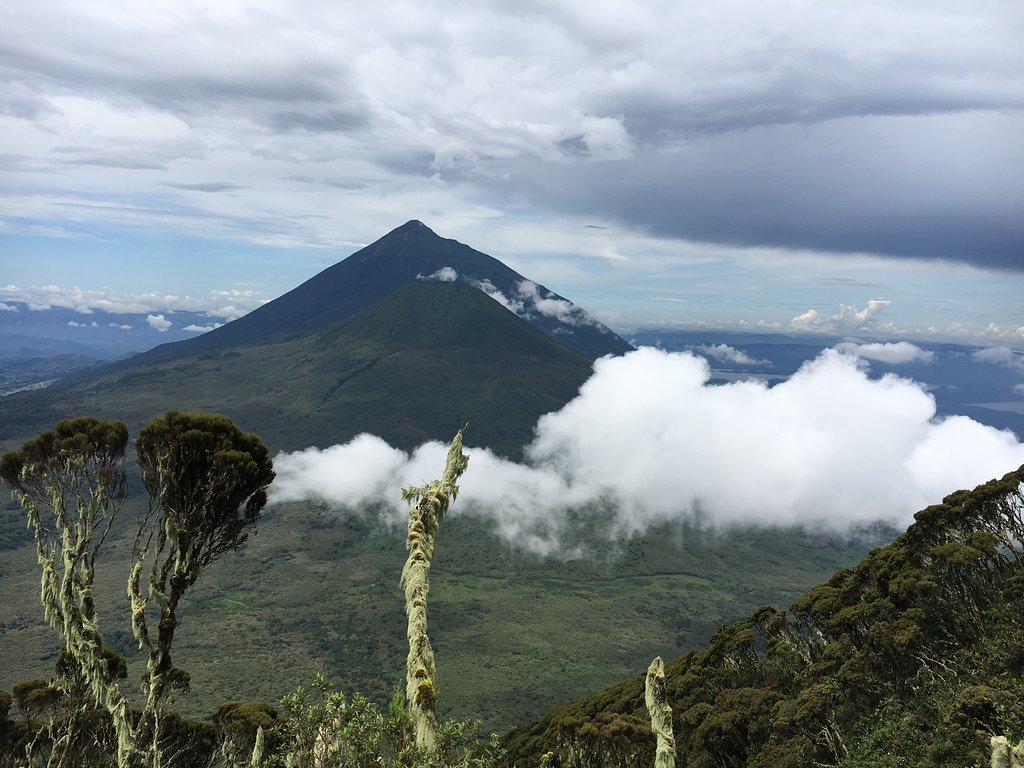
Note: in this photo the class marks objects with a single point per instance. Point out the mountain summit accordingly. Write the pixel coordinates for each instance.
(411, 253)
(409, 338)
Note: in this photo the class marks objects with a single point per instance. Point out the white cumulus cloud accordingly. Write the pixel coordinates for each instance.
(650, 439)
(847, 320)
(158, 322)
(1004, 356)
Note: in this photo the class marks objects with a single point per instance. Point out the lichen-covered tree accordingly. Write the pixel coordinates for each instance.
(207, 482)
(429, 505)
(71, 483)
(656, 699)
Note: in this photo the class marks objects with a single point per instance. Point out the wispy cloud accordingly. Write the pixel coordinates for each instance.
(551, 305)
(444, 274)
(193, 328)
(893, 353)
(224, 304)
(726, 354)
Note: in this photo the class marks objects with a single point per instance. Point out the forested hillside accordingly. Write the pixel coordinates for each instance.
(912, 658)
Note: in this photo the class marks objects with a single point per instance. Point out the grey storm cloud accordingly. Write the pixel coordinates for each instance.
(330, 121)
(877, 127)
(113, 162)
(852, 185)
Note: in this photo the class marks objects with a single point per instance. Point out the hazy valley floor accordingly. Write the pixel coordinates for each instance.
(514, 633)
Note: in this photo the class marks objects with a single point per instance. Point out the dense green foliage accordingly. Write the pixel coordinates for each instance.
(207, 480)
(316, 591)
(912, 658)
(71, 482)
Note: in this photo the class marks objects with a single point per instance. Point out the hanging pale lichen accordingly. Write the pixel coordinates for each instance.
(425, 515)
(256, 759)
(1004, 755)
(656, 698)
(71, 483)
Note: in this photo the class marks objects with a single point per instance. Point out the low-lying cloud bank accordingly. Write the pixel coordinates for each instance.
(649, 438)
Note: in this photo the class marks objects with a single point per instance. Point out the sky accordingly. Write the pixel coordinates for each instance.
(848, 167)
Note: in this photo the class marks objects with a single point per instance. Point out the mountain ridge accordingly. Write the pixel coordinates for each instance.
(409, 253)
(414, 366)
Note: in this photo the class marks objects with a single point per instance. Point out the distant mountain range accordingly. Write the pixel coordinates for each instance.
(409, 338)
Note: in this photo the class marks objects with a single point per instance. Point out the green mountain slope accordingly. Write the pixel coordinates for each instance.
(914, 658)
(416, 365)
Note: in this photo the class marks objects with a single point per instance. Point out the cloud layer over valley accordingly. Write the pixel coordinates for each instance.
(649, 438)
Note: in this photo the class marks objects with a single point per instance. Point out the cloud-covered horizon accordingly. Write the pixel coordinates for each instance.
(222, 304)
(649, 438)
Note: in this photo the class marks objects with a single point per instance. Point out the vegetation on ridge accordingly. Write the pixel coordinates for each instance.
(912, 659)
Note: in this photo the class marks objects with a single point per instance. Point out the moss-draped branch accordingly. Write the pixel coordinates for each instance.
(429, 505)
